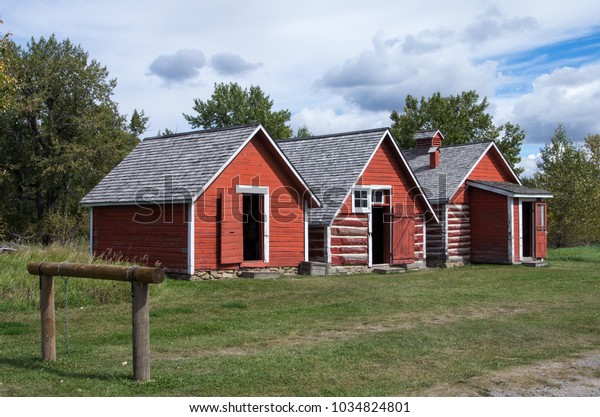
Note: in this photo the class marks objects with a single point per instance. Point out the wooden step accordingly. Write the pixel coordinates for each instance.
(260, 274)
(385, 270)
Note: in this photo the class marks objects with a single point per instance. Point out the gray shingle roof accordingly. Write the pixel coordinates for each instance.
(170, 168)
(512, 188)
(331, 165)
(426, 134)
(456, 161)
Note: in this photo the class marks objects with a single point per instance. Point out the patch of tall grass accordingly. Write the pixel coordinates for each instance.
(577, 254)
(20, 291)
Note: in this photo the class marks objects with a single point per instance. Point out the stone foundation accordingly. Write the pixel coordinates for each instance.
(237, 273)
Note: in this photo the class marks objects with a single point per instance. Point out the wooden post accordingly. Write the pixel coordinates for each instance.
(140, 309)
(48, 323)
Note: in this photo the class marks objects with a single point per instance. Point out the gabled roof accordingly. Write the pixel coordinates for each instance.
(176, 168)
(332, 164)
(427, 134)
(455, 164)
(509, 189)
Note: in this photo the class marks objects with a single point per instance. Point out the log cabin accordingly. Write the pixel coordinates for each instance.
(221, 199)
(486, 214)
(373, 210)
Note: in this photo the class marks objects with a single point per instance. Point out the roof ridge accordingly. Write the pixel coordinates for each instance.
(217, 129)
(355, 132)
(454, 145)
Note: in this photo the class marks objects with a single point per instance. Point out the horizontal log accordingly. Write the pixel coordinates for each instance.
(356, 250)
(109, 272)
(351, 221)
(349, 231)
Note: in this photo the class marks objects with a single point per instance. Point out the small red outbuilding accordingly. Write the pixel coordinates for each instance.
(373, 210)
(204, 200)
(486, 214)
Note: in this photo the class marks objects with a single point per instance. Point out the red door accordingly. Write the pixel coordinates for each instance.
(232, 232)
(403, 235)
(541, 239)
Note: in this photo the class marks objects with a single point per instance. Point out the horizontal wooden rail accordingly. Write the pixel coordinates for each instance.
(110, 272)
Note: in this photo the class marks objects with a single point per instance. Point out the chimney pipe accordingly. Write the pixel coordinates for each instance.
(434, 157)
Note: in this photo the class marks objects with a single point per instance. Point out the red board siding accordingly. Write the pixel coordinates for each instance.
(149, 235)
(489, 227)
(490, 168)
(255, 165)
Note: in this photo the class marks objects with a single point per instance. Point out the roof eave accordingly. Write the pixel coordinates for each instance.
(133, 203)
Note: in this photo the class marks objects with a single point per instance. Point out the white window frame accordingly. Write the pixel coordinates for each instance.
(374, 193)
(264, 191)
(367, 191)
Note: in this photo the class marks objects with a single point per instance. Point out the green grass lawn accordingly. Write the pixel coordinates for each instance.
(361, 335)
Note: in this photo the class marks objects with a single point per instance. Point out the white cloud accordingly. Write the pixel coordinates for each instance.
(529, 164)
(327, 120)
(379, 79)
(570, 96)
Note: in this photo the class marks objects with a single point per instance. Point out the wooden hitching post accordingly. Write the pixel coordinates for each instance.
(48, 323)
(140, 310)
(140, 278)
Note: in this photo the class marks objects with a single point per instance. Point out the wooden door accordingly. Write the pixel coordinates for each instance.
(403, 235)
(232, 232)
(541, 238)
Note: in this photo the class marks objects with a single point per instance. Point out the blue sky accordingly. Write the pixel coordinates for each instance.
(340, 65)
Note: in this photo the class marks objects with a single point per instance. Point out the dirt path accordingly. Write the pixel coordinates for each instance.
(576, 376)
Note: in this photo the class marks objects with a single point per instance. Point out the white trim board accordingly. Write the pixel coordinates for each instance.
(264, 191)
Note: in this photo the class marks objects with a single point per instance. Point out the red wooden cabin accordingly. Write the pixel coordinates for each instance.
(486, 214)
(373, 210)
(205, 200)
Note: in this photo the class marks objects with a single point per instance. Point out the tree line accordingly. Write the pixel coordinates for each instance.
(61, 133)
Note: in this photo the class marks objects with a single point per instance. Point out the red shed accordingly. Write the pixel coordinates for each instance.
(205, 200)
(486, 214)
(373, 210)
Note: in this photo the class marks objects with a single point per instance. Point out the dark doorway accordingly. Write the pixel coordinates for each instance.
(380, 235)
(253, 227)
(527, 221)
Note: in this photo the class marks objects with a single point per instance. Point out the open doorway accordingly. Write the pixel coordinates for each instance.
(253, 227)
(380, 226)
(380, 235)
(527, 216)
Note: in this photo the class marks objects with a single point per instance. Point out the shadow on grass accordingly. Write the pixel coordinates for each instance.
(59, 369)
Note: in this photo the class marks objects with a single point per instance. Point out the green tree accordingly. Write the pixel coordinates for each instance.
(568, 171)
(461, 119)
(8, 83)
(231, 105)
(166, 132)
(592, 146)
(138, 123)
(61, 137)
(304, 132)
